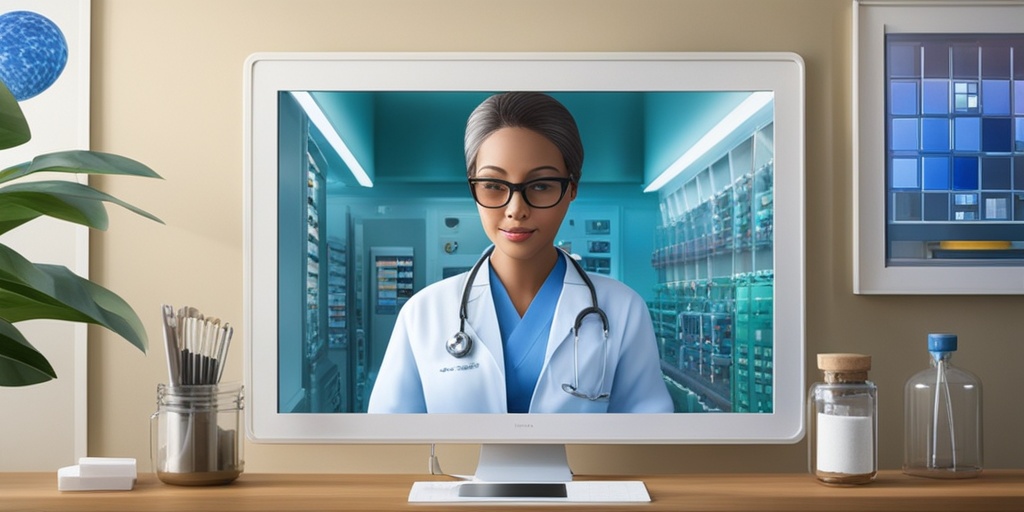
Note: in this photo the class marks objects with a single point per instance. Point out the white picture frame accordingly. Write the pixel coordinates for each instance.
(59, 119)
(872, 20)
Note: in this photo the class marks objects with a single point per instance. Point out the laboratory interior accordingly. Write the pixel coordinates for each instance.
(691, 233)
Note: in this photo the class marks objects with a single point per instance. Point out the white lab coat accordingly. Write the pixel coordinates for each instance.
(419, 375)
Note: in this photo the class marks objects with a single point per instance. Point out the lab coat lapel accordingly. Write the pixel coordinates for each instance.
(575, 298)
(482, 319)
(482, 327)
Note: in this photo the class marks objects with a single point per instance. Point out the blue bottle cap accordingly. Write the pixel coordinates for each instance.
(941, 343)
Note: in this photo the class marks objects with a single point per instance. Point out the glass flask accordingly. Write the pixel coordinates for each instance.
(943, 426)
(843, 421)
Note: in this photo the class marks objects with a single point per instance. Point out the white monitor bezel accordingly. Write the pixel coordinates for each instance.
(267, 73)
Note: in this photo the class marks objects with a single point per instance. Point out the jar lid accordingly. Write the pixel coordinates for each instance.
(844, 363)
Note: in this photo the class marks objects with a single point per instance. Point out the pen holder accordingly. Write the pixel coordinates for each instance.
(195, 434)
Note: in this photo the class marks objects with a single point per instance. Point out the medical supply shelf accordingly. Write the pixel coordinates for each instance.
(337, 321)
(713, 254)
(321, 378)
(753, 363)
(337, 293)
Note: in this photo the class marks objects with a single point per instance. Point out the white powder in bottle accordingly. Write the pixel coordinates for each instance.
(845, 444)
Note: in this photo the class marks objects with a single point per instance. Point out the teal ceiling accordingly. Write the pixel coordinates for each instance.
(416, 137)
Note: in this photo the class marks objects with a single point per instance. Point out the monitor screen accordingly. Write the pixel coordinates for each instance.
(690, 196)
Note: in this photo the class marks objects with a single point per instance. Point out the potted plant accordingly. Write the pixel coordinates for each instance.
(30, 291)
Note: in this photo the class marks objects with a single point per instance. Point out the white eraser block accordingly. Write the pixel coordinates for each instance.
(69, 479)
(107, 466)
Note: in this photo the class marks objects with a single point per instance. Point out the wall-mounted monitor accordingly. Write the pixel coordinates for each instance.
(691, 194)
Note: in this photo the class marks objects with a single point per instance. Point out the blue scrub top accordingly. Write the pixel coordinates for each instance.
(524, 340)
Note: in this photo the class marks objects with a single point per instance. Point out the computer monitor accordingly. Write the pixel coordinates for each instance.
(691, 194)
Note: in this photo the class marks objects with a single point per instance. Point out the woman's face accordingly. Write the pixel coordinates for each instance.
(517, 155)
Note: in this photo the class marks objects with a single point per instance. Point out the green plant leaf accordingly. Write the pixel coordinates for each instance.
(20, 363)
(14, 129)
(25, 204)
(36, 291)
(31, 291)
(79, 162)
(65, 200)
(19, 303)
(13, 215)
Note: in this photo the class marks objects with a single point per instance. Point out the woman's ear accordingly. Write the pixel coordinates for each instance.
(573, 186)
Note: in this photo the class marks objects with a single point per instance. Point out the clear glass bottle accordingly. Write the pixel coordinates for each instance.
(843, 421)
(943, 426)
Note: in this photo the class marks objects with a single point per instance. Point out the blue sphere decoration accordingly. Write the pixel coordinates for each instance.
(33, 53)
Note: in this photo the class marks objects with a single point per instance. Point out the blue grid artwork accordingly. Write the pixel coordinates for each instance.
(954, 119)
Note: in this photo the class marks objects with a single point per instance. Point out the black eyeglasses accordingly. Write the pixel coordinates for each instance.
(538, 193)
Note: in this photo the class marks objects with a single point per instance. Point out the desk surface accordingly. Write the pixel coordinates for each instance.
(994, 490)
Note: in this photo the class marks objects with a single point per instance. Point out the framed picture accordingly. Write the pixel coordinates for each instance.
(938, 147)
(44, 48)
(599, 246)
(599, 227)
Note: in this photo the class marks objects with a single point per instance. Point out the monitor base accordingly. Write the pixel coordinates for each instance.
(591, 491)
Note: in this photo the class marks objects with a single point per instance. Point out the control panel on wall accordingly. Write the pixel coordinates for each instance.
(460, 241)
(593, 235)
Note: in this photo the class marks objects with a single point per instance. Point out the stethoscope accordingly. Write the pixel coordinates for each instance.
(460, 344)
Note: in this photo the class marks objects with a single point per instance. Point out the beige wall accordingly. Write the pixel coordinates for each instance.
(167, 84)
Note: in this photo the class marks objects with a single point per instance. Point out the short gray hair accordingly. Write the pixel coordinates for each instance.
(531, 110)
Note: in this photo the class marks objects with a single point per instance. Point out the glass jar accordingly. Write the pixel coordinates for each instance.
(843, 421)
(943, 437)
(196, 434)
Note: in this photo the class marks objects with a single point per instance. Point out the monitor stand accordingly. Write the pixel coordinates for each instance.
(518, 462)
(527, 473)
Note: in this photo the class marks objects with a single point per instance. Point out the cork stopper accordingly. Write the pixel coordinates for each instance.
(844, 367)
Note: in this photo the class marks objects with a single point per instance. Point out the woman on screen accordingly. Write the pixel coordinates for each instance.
(526, 330)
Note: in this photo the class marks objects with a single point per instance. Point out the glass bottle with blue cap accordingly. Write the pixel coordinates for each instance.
(943, 423)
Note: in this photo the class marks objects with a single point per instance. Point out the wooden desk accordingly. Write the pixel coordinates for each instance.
(994, 490)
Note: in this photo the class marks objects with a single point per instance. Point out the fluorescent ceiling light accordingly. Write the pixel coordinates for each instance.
(319, 119)
(733, 120)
